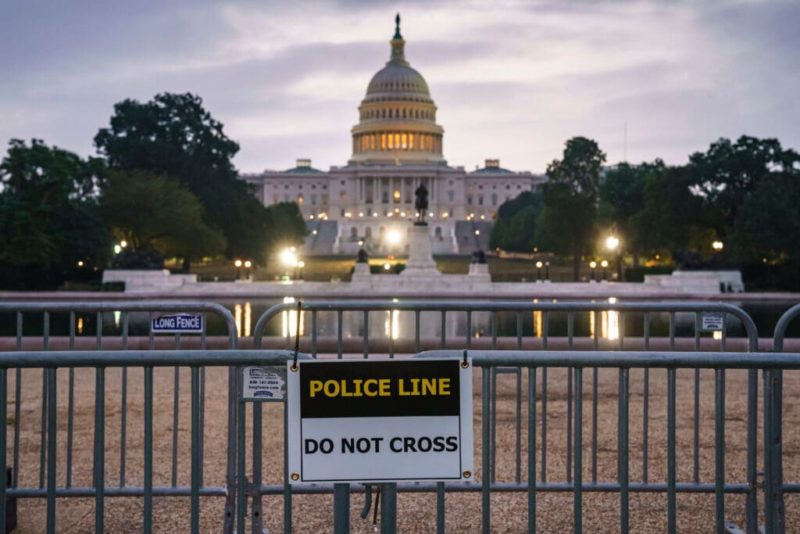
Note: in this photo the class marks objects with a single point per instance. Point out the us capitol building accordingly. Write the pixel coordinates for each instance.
(397, 146)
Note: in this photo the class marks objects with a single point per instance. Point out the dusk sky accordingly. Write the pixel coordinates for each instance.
(512, 80)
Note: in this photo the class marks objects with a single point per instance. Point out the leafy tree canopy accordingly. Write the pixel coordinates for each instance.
(174, 135)
(48, 212)
(515, 226)
(157, 213)
(579, 168)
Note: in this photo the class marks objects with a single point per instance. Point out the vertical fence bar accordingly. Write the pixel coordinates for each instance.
(18, 402)
(531, 450)
(577, 484)
(255, 506)
(99, 447)
(365, 344)
(646, 402)
(440, 510)
(339, 326)
(416, 331)
(570, 400)
(388, 508)
(696, 437)
(175, 421)
(486, 475)
(124, 405)
(197, 465)
(492, 417)
(43, 426)
(595, 380)
(719, 448)
(443, 333)
(314, 333)
(622, 448)
(518, 467)
(51, 450)
(341, 508)
(241, 473)
(70, 401)
(148, 450)
(3, 434)
(671, 508)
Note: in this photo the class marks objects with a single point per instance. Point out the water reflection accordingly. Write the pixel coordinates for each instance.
(608, 323)
(289, 320)
(243, 316)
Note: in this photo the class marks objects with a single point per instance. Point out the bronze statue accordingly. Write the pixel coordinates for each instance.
(362, 256)
(421, 204)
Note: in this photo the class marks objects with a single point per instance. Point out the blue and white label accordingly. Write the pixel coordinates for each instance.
(263, 383)
(181, 323)
(712, 322)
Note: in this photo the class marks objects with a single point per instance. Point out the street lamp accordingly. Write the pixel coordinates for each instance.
(288, 257)
(300, 265)
(248, 265)
(539, 270)
(238, 265)
(604, 265)
(717, 246)
(612, 244)
(547, 271)
(592, 267)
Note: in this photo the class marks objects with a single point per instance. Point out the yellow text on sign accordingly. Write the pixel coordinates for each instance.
(380, 387)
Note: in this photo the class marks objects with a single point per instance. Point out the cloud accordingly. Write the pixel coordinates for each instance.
(512, 79)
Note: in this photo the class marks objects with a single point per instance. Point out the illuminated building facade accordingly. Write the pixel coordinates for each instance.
(397, 146)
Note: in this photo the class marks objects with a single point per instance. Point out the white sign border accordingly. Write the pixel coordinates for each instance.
(293, 422)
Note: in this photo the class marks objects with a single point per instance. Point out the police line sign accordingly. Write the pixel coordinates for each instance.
(180, 323)
(380, 420)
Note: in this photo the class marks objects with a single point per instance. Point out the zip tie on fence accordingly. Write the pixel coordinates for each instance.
(297, 336)
(464, 362)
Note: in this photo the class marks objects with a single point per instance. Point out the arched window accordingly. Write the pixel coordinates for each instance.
(494, 199)
(368, 232)
(353, 233)
(438, 233)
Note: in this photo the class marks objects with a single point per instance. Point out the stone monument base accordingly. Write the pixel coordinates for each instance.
(420, 254)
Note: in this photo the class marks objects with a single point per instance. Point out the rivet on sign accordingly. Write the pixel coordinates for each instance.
(293, 368)
(295, 476)
(467, 474)
(465, 364)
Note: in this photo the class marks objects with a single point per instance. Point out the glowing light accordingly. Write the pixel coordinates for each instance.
(313, 232)
(402, 214)
(392, 323)
(539, 264)
(123, 243)
(361, 214)
(237, 263)
(79, 326)
(397, 195)
(393, 237)
(117, 249)
(80, 263)
(301, 264)
(387, 267)
(430, 214)
(593, 265)
(117, 317)
(288, 257)
(289, 320)
(717, 246)
(248, 264)
(612, 242)
(360, 242)
(483, 217)
(477, 232)
(604, 264)
(348, 214)
(717, 334)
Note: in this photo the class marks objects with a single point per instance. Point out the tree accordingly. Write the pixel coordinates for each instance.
(52, 229)
(156, 213)
(515, 226)
(728, 173)
(621, 199)
(566, 224)
(768, 222)
(174, 135)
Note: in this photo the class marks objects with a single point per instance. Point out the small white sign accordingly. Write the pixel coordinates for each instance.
(380, 421)
(712, 321)
(263, 383)
(180, 323)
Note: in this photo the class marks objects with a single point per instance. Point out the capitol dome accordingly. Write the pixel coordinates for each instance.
(397, 115)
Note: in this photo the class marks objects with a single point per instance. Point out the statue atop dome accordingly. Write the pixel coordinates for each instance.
(397, 27)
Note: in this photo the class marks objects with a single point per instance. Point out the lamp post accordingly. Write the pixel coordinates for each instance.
(612, 244)
(547, 271)
(538, 270)
(604, 265)
(238, 265)
(300, 265)
(248, 272)
(717, 246)
(592, 267)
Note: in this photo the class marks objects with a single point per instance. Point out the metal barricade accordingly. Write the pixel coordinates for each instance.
(774, 481)
(69, 326)
(295, 317)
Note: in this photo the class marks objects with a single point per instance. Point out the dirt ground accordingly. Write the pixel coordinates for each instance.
(416, 512)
